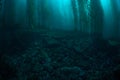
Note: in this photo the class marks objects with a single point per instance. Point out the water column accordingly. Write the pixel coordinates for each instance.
(108, 18)
(1, 10)
(61, 16)
(76, 14)
(20, 12)
(118, 4)
(87, 10)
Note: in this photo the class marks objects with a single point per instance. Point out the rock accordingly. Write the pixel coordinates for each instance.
(71, 73)
(116, 73)
(52, 43)
(114, 43)
(7, 71)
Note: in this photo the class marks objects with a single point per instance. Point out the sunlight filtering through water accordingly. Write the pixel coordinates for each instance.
(108, 17)
(62, 9)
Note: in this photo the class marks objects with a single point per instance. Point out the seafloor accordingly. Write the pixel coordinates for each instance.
(58, 55)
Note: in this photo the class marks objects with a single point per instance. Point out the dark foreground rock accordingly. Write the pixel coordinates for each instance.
(65, 56)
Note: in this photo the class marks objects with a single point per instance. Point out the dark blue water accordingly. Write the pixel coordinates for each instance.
(59, 40)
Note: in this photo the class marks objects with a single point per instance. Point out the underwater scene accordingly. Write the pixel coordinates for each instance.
(59, 39)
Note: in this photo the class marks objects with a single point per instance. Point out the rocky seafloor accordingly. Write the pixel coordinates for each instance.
(58, 56)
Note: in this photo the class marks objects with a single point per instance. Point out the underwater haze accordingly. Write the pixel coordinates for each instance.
(59, 39)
